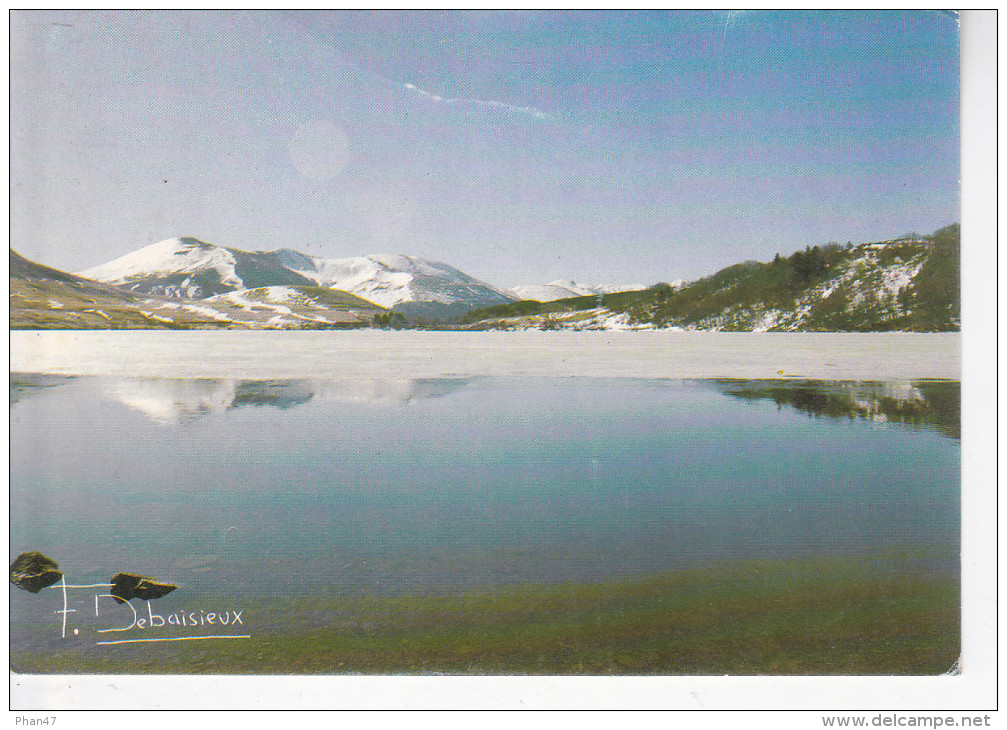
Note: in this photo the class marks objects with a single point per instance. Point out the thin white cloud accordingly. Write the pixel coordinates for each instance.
(489, 103)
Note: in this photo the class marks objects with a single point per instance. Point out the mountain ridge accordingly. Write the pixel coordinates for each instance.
(45, 298)
(567, 288)
(908, 284)
(190, 268)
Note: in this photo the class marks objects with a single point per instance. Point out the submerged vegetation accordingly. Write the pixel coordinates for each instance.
(814, 616)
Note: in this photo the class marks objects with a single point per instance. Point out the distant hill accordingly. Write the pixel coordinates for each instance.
(565, 289)
(910, 284)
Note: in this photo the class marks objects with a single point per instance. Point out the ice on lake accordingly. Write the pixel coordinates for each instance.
(375, 353)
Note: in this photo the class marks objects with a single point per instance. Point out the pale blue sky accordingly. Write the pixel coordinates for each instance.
(520, 147)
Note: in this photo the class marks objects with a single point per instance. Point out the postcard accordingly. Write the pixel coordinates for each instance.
(366, 347)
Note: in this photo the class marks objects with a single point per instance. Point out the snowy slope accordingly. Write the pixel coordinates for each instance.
(193, 269)
(391, 279)
(862, 289)
(544, 292)
(908, 284)
(46, 298)
(174, 255)
(585, 290)
(565, 288)
(181, 267)
(293, 306)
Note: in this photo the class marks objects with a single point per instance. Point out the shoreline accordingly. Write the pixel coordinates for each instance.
(432, 354)
(844, 616)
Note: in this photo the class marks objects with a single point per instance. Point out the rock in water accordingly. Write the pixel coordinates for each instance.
(34, 571)
(128, 585)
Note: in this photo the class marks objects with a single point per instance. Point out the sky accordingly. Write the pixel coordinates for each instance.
(520, 147)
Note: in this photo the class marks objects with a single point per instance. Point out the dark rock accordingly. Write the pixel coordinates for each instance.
(128, 585)
(33, 571)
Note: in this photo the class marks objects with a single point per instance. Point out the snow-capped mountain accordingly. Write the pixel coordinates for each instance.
(565, 289)
(910, 284)
(391, 279)
(43, 297)
(193, 269)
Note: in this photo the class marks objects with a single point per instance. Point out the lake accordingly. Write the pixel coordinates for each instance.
(336, 510)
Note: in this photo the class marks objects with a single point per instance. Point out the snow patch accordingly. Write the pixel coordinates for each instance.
(897, 278)
(280, 294)
(207, 312)
(827, 291)
(149, 315)
(767, 321)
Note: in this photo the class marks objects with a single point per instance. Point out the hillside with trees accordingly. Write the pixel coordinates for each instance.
(911, 284)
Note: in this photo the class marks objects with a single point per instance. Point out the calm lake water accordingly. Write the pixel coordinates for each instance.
(233, 489)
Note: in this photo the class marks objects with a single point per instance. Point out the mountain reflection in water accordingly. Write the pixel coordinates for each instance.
(382, 486)
(932, 404)
(175, 400)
